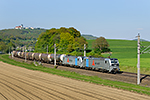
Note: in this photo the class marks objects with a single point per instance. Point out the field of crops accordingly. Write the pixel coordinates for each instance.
(126, 52)
(77, 76)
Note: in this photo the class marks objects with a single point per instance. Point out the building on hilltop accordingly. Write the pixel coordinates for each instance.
(19, 27)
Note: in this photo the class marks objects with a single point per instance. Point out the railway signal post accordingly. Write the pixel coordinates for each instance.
(138, 64)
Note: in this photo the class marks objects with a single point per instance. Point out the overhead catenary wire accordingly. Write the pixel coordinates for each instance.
(148, 51)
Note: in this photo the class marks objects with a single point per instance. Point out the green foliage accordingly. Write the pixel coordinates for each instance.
(66, 40)
(79, 44)
(101, 45)
(75, 53)
(94, 54)
(2, 46)
(98, 46)
(19, 37)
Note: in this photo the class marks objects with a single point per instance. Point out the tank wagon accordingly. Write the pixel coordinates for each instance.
(46, 58)
(14, 53)
(19, 54)
(57, 57)
(37, 56)
(31, 56)
(102, 64)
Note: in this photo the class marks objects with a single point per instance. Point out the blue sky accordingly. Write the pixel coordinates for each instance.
(115, 19)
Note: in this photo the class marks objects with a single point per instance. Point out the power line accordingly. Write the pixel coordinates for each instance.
(148, 50)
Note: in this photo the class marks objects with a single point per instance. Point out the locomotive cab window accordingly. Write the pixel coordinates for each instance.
(114, 61)
(106, 62)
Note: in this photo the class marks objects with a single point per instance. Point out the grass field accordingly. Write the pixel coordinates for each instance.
(126, 52)
(73, 75)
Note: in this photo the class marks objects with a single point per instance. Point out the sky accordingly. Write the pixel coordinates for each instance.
(112, 19)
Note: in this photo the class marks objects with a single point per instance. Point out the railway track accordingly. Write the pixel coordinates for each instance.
(143, 76)
(122, 76)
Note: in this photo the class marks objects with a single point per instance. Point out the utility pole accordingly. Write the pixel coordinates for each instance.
(138, 64)
(12, 54)
(54, 54)
(84, 50)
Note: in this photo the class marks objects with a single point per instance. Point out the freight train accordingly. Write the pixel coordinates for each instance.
(102, 64)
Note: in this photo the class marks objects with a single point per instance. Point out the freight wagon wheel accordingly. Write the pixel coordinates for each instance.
(86, 68)
(93, 69)
(103, 71)
(60, 64)
(113, 72)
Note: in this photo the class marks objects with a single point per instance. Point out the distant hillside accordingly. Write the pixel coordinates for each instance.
(89, 37)
(20, 37)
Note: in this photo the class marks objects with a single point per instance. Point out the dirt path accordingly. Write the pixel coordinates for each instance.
(18, 83)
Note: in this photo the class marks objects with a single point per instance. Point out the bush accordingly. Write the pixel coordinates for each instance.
(105, 50)
(75, 53)
(94, 54)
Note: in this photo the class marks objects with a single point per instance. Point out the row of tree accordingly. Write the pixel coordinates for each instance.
(20, 37)
(5, 48)
(12, 38)
(66, 40)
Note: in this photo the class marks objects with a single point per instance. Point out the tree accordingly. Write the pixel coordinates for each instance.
(2, 46)
(79, 43)
(100, 44)
(66, 39)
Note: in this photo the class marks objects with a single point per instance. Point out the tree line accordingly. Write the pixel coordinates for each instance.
(69, 41)
(12, 38)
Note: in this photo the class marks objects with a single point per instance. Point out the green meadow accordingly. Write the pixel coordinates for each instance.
(126, 52)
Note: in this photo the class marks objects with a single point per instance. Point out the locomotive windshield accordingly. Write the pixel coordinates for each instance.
(114, 62)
